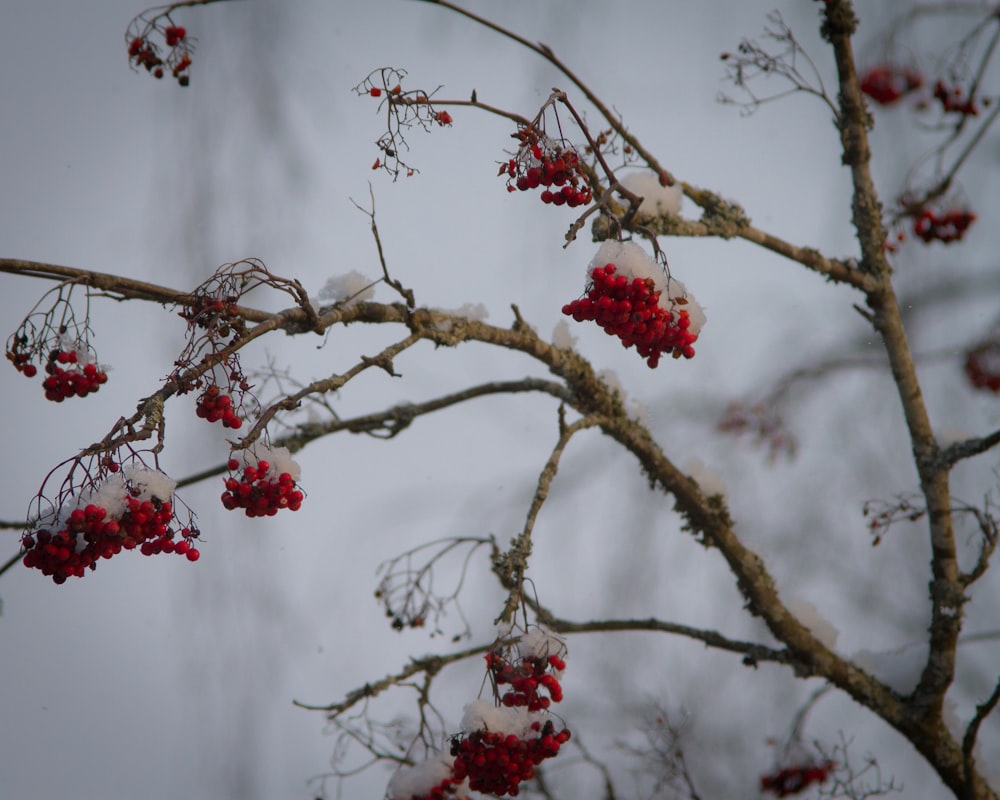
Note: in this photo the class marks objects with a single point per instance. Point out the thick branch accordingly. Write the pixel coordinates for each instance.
(923, 724)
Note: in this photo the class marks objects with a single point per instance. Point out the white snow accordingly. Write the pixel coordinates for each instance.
(279, 459)
(482, 715)
(418, 780)
(561, 337)
(809, 616)
(347, 289)
(540, 642)
(708, 479)
(656, 198)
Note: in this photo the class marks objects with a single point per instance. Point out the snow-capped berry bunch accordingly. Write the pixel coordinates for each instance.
(132, 510)
(886, 84)
(496, 763)
(949, 226)
(982, 366)
(142, 52)
(214, 405)
(504, 743)
(793, 780)
(954, 100)
(263, 482)
(543, 161)
(630, 297)
(71, 373)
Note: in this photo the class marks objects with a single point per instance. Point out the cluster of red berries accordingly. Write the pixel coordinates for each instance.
(525, 678)
(793, 780)
(258, 491)
(212, 312)
(541, 161)
(946, 227)
(213, 406)
(887, 84)
(22, 363)
(174, 34)
(496, 763)
(145, 54)
(631, 311)
(88, 535)
(67, 377)
(953, 100)
(982, 366)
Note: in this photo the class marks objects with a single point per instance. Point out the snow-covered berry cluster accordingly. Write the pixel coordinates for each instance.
(214, 406)
(496, 763)
(792, 780)
(543, 161)
(982, 366)
(503, 743)
(630, 297)
(945, 226)
(887, 84)
(264, 483)
(71, 373)
(128, 512)
(144, 53)
(954, 100)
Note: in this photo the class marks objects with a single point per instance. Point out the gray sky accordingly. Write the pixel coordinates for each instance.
(157, 678)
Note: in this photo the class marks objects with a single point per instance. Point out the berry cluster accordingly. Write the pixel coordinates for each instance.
(92, 531)
(793, 780)
(260, 489)
(982, 366)
(143, 53)
(953, 100)
(542, 161)
(496, 763)
(526, 677)
(634, 312)
(67, 377)
(213, 406)
(887, 84)
(174, 34)
(507, 743)
(22, 363)
(946, 227)
(218, 314)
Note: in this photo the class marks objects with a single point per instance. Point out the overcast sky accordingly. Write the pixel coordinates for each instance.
(158, 678)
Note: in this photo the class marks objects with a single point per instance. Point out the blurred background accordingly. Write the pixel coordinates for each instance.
(159, 678)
